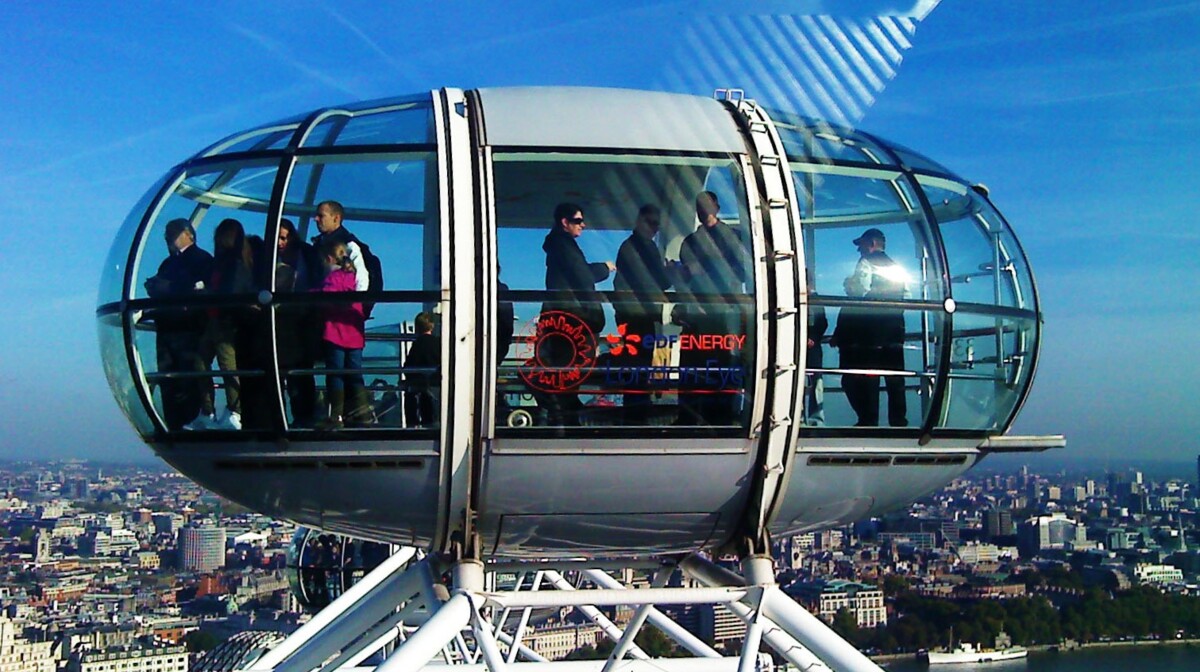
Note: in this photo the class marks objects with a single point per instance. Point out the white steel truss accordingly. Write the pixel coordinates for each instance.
(405, 613)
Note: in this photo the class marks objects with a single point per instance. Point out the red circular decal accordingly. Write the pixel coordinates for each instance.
(564, 352)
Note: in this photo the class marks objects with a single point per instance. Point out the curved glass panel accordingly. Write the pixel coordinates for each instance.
(407, 123)
(986, 264)
(210, 226)
(813, 140)
(112, 278)
(916, 160)
(116, 370)
(263, 139)
(838, 207)
(991, 362)
(376, 363)
(203, 198)
(274, 135)
(867, 241)
(666, 339)
(386, 103)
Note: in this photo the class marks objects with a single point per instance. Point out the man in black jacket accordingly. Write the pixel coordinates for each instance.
(573, 280)
(641, 271)
(178, 329)
(715, 264)
(872, 337)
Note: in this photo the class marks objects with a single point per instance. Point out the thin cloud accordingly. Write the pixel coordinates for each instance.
(174, 126)
(1105, 95)
(407, 71)
(283, 55)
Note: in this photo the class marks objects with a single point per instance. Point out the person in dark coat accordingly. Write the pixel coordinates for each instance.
(231, 333)
(298, 330)
(573, 280)
(814, 387)
(715, 264)
(178, 331)
(642, 272)
(870, 337)
(424, 358)
(505, 326)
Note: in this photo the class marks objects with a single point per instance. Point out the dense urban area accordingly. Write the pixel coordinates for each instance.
(124, 568)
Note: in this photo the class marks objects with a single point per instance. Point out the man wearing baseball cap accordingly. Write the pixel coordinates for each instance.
(870, 337)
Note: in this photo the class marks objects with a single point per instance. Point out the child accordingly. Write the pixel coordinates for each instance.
(343, 334)
(419, 408)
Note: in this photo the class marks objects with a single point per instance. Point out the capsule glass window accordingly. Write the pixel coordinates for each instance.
(666, 339)
(986, 264)
(365, 355)
(991, 361)
(193, 339)
(873, 273)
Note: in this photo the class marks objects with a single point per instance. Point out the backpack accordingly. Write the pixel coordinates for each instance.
(374, 272)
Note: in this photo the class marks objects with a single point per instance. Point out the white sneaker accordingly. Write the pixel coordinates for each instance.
(231, 420)
(202, 422)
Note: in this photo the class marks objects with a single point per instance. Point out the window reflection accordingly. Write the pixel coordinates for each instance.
(635, 307)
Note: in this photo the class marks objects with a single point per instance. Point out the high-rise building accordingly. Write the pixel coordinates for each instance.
(166, 522)
(201, 547)
(998, 523)
(1052, 532)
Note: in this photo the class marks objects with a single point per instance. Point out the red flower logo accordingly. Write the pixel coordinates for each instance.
(620, 342)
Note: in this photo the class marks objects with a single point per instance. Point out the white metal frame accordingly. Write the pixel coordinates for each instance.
(475, 627)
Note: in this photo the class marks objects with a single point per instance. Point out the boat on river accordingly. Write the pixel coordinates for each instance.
(966, 652)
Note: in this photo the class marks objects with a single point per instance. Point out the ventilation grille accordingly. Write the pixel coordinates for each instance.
(884, 460)
(313, 464)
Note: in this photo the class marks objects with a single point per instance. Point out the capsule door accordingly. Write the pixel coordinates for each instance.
(620, 410)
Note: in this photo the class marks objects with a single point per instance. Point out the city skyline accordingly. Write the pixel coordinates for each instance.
(1075, 115)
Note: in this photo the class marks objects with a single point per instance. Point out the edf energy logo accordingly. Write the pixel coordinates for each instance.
(563, 357)
(622, 343)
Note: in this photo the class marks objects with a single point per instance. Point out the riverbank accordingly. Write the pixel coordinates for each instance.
(1062, 648)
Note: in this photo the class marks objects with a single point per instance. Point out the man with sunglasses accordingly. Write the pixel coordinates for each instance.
(573, 280)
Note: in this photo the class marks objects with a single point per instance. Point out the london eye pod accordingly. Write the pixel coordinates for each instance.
(781, 376)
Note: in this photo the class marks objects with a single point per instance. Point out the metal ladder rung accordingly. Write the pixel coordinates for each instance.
(779, 370)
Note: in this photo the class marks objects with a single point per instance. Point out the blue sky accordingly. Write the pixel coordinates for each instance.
(1083, 118)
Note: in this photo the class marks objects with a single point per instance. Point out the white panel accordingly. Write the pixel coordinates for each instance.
(592, 117)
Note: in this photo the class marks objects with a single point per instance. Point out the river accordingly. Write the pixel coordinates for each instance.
(1155, 658)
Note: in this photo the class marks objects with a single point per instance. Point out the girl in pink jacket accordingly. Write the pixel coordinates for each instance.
(344, 335)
